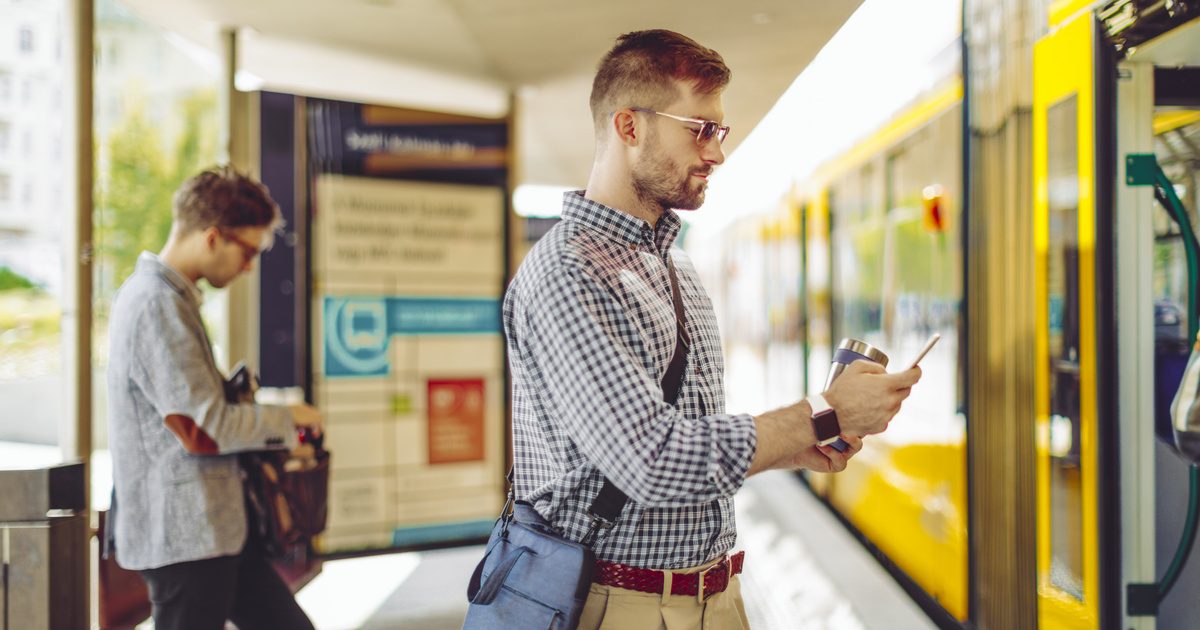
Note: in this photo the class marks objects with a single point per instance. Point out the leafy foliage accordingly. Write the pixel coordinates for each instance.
(11, 280)
(144, 167)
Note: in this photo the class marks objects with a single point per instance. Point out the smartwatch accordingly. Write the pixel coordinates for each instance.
(824, 420)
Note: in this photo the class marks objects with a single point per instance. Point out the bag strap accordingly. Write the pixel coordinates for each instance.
(485, 594)
(607, 505)
(610, 501)
(473, 588)
(672, 380)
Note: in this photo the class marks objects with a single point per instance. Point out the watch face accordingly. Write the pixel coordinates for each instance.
(825, 425)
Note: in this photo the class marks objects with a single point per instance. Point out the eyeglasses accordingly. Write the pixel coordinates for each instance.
(249, 250)
(707, 129)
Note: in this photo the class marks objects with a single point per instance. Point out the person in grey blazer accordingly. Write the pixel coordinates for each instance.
(179, 511)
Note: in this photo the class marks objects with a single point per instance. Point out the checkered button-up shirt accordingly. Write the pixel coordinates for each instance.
(591, 329)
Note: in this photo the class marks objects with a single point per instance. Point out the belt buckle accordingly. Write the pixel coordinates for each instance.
(701, 595)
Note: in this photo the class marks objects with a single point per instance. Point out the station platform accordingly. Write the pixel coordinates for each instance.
(803, 571)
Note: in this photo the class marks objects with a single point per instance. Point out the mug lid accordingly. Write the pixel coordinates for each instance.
(865, 349)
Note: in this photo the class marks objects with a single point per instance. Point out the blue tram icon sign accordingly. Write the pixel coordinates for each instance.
(358, 330)
(364, 325)
(356, 338)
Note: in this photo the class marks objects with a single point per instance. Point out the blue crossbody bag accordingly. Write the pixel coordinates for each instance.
(532, 577)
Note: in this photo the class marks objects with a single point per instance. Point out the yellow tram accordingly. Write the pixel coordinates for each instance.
(1029, 481)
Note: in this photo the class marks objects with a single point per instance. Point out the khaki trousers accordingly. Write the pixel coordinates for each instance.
(612, 608)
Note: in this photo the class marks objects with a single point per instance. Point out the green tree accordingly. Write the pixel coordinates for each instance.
(134, 200)
(11, 280)
(196, 148)
(133, 204)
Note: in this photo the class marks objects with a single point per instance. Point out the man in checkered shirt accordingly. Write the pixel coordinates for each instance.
(591, 330)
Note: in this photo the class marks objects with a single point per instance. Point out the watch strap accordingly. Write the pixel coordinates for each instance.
(826, 427)
(818, 404)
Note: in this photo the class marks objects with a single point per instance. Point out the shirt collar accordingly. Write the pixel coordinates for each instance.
(151, 263)
(619, 225)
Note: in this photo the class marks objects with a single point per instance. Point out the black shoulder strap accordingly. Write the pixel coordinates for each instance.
(608, 504)
(672, 380)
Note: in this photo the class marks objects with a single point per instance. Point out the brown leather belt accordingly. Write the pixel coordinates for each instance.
(702, 585)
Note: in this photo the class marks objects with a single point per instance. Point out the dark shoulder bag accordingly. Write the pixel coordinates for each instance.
(287, 497)
(532, 577)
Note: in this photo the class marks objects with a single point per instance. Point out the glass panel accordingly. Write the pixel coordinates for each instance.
(817, 298)
(784, 294)
(746, 334)
(897, 278)
(36, 219)
(1066, 466)
(857, 218)
(155, 125)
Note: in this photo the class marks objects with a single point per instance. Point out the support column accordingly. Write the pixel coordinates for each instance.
(1135, 340)
(76, 441)
(75, 433)
(998, 93)
(237, 148)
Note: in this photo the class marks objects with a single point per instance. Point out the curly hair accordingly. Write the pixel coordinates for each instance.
(225, 198)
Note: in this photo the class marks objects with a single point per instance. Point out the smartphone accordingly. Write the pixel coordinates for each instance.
(840, 445)
(240, 386)
(933, 339)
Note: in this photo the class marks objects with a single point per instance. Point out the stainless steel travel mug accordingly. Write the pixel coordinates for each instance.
(849, 351)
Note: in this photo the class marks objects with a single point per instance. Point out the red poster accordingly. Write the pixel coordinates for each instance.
(456, 409)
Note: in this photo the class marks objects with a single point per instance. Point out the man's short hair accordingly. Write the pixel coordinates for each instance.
(224, 198)
(641, 70)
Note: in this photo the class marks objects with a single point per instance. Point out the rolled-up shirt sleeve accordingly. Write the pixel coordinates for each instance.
(590, 355)
(175, 372)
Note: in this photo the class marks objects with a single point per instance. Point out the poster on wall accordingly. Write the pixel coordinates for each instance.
(456, 419)
(407, 221)
(366, 225)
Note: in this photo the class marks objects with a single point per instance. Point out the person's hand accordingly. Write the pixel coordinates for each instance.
(304, 451)
(866, 397)
(307, 416)
(826, 459)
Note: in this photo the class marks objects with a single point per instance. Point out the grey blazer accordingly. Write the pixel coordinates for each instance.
(172, 435)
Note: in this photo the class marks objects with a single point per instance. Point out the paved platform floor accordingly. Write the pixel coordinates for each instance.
(803, 571)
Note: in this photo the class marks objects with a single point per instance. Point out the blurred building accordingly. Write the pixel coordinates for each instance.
(32, 137)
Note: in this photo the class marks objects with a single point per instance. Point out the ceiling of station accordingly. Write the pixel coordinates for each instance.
(545, 51)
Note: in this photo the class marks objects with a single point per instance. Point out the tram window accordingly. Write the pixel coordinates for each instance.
(1066, 466)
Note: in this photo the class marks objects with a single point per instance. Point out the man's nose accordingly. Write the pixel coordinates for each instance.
(712, 152)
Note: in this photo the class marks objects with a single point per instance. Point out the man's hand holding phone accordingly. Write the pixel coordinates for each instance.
(857, 401)
(866, 397)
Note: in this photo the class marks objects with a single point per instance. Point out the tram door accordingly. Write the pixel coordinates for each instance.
(1065, 215)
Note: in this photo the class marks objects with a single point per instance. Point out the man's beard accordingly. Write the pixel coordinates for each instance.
(656, 180)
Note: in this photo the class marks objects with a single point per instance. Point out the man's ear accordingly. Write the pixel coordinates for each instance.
(210, 237)
(626, 126)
